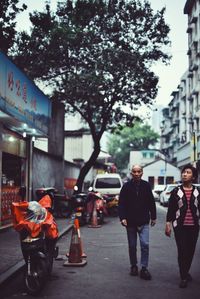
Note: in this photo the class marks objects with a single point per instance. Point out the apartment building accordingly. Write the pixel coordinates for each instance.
(180, 128)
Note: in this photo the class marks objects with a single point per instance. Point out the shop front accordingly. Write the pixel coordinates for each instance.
(13, 172)
(24, 115)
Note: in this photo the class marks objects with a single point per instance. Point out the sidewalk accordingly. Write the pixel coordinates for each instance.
(11, 259)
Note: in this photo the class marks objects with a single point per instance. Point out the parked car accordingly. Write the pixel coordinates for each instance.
(107, 184)
(198, 185)
(157, 190)
(165, 194)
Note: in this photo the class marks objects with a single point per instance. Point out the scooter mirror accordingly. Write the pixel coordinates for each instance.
(75, 188)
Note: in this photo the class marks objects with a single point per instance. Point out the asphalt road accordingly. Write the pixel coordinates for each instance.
(106, 275)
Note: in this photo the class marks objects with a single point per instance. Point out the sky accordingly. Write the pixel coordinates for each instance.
(170, 75)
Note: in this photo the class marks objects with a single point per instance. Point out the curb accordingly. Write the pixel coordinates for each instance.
(19, 265)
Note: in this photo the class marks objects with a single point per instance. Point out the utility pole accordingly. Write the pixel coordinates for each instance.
(194, 144)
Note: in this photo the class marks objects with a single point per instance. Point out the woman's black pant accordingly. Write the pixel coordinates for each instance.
(186, 239)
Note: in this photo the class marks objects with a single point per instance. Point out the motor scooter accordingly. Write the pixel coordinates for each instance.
(61, 206)
(100, 203)
(38, 235)
(112, 203)
(51, 191)
(79, 207)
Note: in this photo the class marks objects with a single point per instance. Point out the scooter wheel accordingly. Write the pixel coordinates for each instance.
(35, 280)
(101, 219)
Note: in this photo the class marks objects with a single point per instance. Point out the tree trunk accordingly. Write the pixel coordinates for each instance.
(87, 166)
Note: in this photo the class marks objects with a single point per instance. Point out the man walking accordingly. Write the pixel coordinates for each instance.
(136, 210)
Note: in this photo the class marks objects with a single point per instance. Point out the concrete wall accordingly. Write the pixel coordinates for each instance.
(50, 171)
(78, 147)
(47, 171)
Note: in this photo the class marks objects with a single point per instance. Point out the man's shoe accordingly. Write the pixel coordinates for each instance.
(183, 284)
(144, 274)
(189, 277)
(134, 271)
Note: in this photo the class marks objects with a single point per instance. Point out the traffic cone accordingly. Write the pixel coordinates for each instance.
(75, 253)
(83, 255)
(94, 220)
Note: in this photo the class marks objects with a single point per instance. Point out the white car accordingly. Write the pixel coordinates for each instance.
(165, 194)
(107, 184)
(157, 190)
(198, 185)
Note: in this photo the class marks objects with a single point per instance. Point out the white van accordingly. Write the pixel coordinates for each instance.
(107, 183)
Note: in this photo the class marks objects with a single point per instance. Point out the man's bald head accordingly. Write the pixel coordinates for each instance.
(137, 172)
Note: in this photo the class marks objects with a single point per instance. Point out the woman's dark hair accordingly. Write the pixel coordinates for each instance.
(194, 171)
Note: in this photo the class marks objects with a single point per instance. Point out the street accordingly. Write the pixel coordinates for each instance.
(106, 274)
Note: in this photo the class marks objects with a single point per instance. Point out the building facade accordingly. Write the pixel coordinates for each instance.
(160, 172)
(25, 113)
(144, 157)
(180, 127)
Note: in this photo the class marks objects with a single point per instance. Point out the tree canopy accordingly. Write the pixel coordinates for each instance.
(8, 12)
(97, 56)
(136, 138)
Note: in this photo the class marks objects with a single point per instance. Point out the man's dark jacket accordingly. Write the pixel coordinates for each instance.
(136, 203)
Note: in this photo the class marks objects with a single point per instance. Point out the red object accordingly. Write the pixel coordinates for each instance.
(75, 256)
(20, 221)
(97, 198)
(94, 220)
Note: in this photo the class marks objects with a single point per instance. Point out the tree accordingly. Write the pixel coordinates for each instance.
(8, 13)
(97, 56)
(138, 137)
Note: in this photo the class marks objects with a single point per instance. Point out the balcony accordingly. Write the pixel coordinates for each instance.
(173, 107)
(175, 123)
(165, 133)
(193, 19)
(195, 67)
(190, 75)
(197, 108)
(195, 92)
(190, 98)
(195, 43)
(189, 29)
(183, 115)
(190, 120)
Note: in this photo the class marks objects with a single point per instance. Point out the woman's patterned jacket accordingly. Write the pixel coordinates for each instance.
(177, 206)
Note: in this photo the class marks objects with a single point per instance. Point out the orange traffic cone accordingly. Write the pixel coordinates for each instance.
(94, 220)
(83, 255)
(75, 253)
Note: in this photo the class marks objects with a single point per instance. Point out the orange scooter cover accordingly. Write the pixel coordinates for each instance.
(20, 220)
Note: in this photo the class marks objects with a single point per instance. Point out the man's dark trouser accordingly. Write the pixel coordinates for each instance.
(186, 239)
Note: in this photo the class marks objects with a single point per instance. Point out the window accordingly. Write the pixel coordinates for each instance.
(151, 181)
(161, 180)
(169, 180)
(108, 183)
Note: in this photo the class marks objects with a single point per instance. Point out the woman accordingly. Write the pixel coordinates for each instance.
(183, 214)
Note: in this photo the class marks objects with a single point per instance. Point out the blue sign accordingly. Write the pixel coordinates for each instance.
(21, 98)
